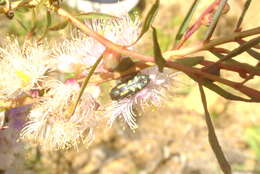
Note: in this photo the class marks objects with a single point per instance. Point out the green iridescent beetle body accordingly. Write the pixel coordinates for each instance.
(130, 87)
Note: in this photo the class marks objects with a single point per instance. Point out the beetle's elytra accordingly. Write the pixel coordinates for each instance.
(130, 87)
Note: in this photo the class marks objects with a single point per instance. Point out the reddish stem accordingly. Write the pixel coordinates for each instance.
(220, 50)
(247, 91)
(197, 23)
(252, 93)
(242, 41)
(235, 68)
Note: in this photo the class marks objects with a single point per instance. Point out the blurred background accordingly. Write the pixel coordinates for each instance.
(171, 139)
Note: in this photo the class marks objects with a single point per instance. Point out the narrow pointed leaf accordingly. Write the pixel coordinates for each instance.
(34, 20)
(224, 93)
(58, 26)
(246, 66)
(220, 91)
(159, 60)
(22, 25)
(215, 19)
(242, 48)
(190, 61)
(95, 15)
(186, 21)
(254, 54)
(149, 18)
(240, 20)
(48, 23)
(85, 83)
(48, 16)
(250, 52)
(212, 137)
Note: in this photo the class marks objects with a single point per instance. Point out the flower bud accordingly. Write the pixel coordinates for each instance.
(111, 59)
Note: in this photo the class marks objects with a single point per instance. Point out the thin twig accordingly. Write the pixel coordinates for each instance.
(168, 55)
(238, 51)
(211, 44)
(197, 23)
(120, 49)
(215, 20)
(213, 140)
(234, 68)
(252, 93)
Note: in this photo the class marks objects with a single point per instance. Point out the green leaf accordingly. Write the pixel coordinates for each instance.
(212, 137)
(250, 51)
(220, 91)
(48, 19)
(159, 60)
(227, 95)
(22, 25)
(85, 83)
(240, 20)
(48, 16)
(186, 21)
(242, 48)
(189, 61)
(254, 54)
(95, 15)
(58, 26)
(215, 19)
(246, 66)
(149, 18)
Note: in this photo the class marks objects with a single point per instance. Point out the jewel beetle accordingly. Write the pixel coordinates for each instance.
(130, 87)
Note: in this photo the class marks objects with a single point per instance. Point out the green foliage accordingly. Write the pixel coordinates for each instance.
(95, 15)
(59, 26)
(241, 18)
(189, 61)
(252, 137)
(215, 20)
(24, 21)
(149, 18)
(159, 60)
(185, 24)
(86, 80)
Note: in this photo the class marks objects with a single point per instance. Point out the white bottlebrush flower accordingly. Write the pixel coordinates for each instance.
(153, 94)
(22, 67)
(51, 122)
(77, 54)
(122, 30)
(81, 52)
